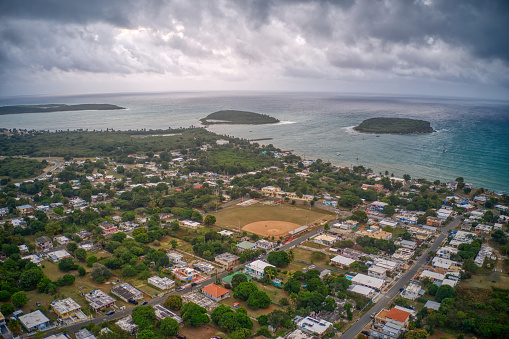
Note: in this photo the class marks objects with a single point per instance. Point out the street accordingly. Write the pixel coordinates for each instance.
(356, 328)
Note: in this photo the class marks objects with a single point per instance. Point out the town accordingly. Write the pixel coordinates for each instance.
(219, 237)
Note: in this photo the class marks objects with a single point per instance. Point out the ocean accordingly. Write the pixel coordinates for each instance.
(472, 138)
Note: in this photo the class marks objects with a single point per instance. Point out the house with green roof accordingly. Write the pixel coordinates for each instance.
(246, 245)
(228, 278)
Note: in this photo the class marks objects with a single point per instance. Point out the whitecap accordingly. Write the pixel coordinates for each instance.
(286, 122)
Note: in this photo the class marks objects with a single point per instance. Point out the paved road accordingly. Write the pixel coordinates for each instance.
(122, 313)
(57, 162)
(356, 328)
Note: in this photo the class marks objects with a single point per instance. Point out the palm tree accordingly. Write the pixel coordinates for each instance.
(291, 255)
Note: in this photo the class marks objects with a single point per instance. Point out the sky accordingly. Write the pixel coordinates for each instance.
(457, 48)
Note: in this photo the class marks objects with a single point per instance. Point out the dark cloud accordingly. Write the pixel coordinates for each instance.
(263, 40)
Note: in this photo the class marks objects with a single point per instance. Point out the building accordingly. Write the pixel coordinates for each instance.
(161, 283)
(446, 251)
(25, 209)
(388, 264)
(162, 312)
(353, 254)
(434, 276)
(226, 233)
(98, 300)
(184, 273)
(61, 240)
(4, 211)
(108, 228)
(412, 291)
(215, 292)
(409, 244)
(270, 191)
(68, 309)
(342, 261)
(227, 259)
(368, 292)
(176, 258)
(346, 225)
(126, 292)
(432, 221)
(482, 228)
(84, 234)
(34, 321)
(23, 248)
(366, 280)
(432, 305)
(43, 243)
(204, 267)
(84, 334)
(127, 324)
(324, 239)
(376, 234)
(311, 325)
(58, 255)
(377, 206)
(406, 218)
(444, 263)
(201, 300)
(58, 336)
(228, 279)
(377, 272)
(264, 244)
(189, 224)
(256, 269)
(245, 245)
(389, 324)
(404, 254)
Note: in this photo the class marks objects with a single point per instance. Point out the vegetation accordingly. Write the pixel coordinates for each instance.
(238, 118)
(18, 109)
(21, 168)
(394, 126)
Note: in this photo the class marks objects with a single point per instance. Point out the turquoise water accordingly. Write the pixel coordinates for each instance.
(474, 133)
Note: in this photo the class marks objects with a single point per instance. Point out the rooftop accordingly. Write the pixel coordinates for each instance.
(215, 290)
(398, 315)
(66, 305)
(33, 319)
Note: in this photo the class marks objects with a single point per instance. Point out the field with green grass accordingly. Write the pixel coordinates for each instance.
(232, 216)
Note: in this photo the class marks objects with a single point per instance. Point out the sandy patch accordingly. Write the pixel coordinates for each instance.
(270, 228)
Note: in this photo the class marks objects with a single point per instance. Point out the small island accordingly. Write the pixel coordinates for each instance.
(20, 109)
(238, 118)
(394, 126)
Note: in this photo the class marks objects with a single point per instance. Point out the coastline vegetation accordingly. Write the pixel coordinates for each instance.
(21, 168)
(19, 109)
(238, 118)
(394, 126)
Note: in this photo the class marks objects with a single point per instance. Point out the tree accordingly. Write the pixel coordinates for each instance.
(19, 299)
(244, 290)
(6, 309)
(144, 316)
(169, 326)
(218, 312)
(360, 216)
(278, 258)
(417, 334)
(71, 247)
(444, 291)
(173, 302)
(292, 286)
(277, 318)
(194, 315)
(263, 319)
(407, 177)
(389, 210)
(67, 279)
(100, 272)
(270, 272)
(91, 260)
(66, 265)
(258, 299)
(129, 271)
(432, 289)
(174, 243)
(209, 220)
(81, 254)
(5, 295)
(30, 278)
(147, 334)
(237, 279)
(82, 271)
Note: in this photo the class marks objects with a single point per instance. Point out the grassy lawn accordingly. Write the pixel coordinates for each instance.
(305, 256)
(493, 279)
(253, 313)
(230, 217)
(313, 245)
(294, 267)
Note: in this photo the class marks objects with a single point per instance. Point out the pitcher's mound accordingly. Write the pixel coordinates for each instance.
(270, 228)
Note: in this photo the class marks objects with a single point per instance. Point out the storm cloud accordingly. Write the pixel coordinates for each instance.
(52, 45)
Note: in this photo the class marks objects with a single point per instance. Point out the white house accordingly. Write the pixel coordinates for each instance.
(342, 261)
(256, 269)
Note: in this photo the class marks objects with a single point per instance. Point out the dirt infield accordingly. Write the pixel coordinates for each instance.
(270, 228)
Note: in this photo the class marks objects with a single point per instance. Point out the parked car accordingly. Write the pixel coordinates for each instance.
(180, 336)
(110, 312)
(38, 304)
(180, 288)
(144, 303)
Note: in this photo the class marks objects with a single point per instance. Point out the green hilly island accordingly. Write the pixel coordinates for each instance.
(394, 126)
(238, 118)
(19, 109)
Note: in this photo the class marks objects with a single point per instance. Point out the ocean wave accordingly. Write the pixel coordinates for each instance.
(286, 122)
(442, 130)
(349, 129)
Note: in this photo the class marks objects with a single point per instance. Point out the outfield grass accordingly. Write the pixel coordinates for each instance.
(231, 217)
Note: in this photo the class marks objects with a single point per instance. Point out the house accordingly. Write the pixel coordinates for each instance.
(204, 267)
(108, 228)
(226, 233)
(227, 259)
(270, 191)
(346, 225)
(161, 312)
(482, 228)
(68, 309)
(228, 279)
(446, 251)
(176, 257)
(390, 323)
(184, 273)
(377, 272)
(406, 218)
(84, 334)
(245, 245)
(201, 300)
(325, 239)
(365, 280)
(256, 269)
(98, 300)
(43, 243)
(353, 254)
(34, 258)
(127, 324)
(444, 263)
(377, 206)
(264, 244)
(84, 234)
(313, 325)
(388, 264)
(444, 213)
(164, 283)
(215, 292)
(368, 292)
(433, 276)
(34, 321)
(126, 292)
(23, 248)
(409, 244)
(412, 291)
(4, 211)
(189, 224)
(58, 255)
(25, 209)
(403, 254)
(342, 261)
(432, 305)
(61, 240)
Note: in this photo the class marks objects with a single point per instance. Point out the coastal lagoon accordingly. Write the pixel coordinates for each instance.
(472, 138)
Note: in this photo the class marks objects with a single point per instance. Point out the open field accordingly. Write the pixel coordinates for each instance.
(235, 216)
(494, 279)
(270, 228)
(230, 301)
